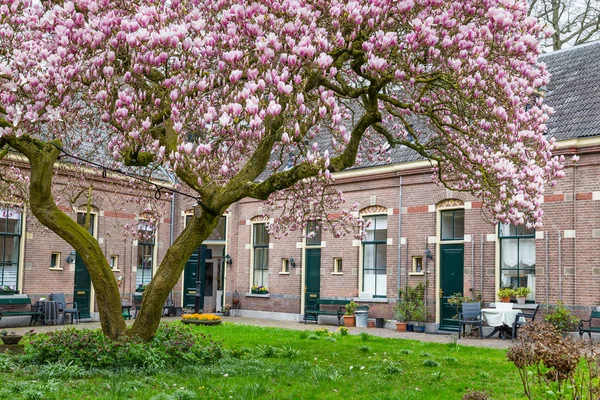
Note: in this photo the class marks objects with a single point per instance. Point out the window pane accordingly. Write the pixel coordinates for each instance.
(369, 281)
(510, 253)
(381, 257)
(81, 217)
(261, 237)
(369, 256)
(369, 229)
(526, 253)
(261, 258)
(219, 232)
(381, 283)
(524, 231)
(13, 222)
(508, 230)
(459, 224)
(8, 275)
(381, 228)
(447, 228)
(313, 233)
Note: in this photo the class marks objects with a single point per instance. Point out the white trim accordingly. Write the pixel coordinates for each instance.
(539, 234)
(491, 237)
(55, 269)
(360, 252)
(595, 195)
(431, 208)
(569, 234)
(299, 245)
(467, 238)
(432, 239)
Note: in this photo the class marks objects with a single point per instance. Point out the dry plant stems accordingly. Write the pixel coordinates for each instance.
(549, 365)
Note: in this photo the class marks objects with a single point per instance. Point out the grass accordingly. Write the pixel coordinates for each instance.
(270, 363)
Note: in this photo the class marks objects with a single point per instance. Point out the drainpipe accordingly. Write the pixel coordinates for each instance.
(547, 274)
(559, 268)
(481, 269)
(399, 235)
(473, 265)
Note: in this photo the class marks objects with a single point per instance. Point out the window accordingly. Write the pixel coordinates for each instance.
(337, 266)
(114, 262)
(145, 253)
(285, 265)
(375, 255)
(313, 233)
(417, 265)
(55, 261)
(10, 245)
(517, 257)
(219, 232)
(453, 224)
(260, 243)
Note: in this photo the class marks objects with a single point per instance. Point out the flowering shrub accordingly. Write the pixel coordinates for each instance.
(5, 288)
(141, 288)
(259, 290)
(173, 345)
(201, 317)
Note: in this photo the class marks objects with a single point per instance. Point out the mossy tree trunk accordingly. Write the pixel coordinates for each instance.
(42, 157)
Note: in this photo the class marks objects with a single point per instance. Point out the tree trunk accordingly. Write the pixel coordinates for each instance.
(42, 157)
(169, 272)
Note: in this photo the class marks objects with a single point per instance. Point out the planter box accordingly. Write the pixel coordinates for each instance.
(195, 322)
(11, 339)
(6, 292)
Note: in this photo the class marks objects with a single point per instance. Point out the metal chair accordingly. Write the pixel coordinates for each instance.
(470, 315)
(518, 322)
(62, 307)
(137, 302)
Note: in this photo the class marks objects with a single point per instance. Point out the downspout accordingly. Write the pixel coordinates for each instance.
(559, 268)
(473, 265)
(547, 274)
(481, 268)
(399, 236)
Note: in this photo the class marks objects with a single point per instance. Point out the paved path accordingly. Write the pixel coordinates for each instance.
(381, 332)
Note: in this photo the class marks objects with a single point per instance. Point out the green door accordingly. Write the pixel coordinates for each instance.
(313, 276)
(83, 284)
(451, 281)
(190, 277)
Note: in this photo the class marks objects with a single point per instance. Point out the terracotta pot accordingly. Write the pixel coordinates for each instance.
(401, 326)
(505, 299)
(370, 324)
(349, 321)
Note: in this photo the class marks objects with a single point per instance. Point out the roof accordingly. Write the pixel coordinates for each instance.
(574, 91)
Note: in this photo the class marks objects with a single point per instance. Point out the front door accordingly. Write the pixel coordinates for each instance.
(196, 263)
(451, 281)
(313, 276)
(83, 284)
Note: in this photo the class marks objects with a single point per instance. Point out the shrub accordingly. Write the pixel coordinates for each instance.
(343, 330)
(561, 318)
(174, 344)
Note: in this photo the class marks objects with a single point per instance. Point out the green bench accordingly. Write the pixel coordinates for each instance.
(589, 328)
(313, 311)
(19, 301)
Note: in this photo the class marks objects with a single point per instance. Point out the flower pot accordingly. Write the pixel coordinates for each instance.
(505, 299)
(196, 322)
(226, 313)
(349, 320)
(521, 299)
(370, 324)
(400, 326)
(409, 327)
(11, 339)
(419, 328)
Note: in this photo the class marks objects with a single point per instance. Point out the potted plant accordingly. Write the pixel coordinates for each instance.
(6, 290)
(561, 318)
(400, 321)
(419, 315)
(521, 294)
(349, 317)
(10, 338)
(226, 310)
(201, 319)
(141, 288)
(259, 290)
(504, 294)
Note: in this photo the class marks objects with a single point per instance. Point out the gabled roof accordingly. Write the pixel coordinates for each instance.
(574, 91)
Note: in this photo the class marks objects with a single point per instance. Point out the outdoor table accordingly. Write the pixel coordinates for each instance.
(501, 320)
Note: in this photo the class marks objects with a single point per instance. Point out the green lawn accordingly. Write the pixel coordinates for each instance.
(269, 363)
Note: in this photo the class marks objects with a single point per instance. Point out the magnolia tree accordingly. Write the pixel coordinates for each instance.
(231, 96)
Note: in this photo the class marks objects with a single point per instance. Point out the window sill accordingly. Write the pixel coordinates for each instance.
(416, 273)
(258, 295)
(337, 273)
(55, 269)
(115, 270)
(373, 300)
(284, 273)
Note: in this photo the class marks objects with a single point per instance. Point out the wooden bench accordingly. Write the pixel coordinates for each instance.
(19, 301)
(314, 310)
(589, 328)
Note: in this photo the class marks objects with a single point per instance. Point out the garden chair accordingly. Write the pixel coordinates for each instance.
(521, 319)
(137, 302)
(470, 315)
(63, 307)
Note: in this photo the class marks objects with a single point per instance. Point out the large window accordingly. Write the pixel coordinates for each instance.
(517, 257)
(260, 243)
(145, 253)
(10, 244)
(453, 224)
(375, 255)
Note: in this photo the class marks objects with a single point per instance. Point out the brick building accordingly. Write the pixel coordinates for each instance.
(419, 233)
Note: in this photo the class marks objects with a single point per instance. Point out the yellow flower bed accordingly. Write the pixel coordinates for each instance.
(201, 317)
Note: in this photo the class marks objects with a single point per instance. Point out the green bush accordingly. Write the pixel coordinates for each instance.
(174, 344)
(561, 318)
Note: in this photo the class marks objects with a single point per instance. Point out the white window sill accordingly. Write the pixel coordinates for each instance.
(284, 273)
(115, 270)
(337, 273)
(55, 269)
(416, 273)
(373, 300)
(258, 295)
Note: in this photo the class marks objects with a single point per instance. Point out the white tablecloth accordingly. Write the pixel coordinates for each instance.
(495, 317)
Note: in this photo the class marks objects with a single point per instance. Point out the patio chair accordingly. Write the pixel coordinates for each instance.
(470, 315)
(63, 307)
(137, 302)
(169, 308)
(521, 319)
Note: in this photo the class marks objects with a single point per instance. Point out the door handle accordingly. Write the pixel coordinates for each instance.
(441, 293)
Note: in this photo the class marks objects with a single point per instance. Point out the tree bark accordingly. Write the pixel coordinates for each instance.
(42, 157)
(169, 272)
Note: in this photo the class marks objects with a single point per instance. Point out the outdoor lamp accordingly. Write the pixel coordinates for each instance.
(292, 262)
(228, 259)
(71, 257)
(428, 254)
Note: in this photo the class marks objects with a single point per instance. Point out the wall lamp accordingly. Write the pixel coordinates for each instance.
(228, 259)
(292, 262)
(71, 257)
(428, 254)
